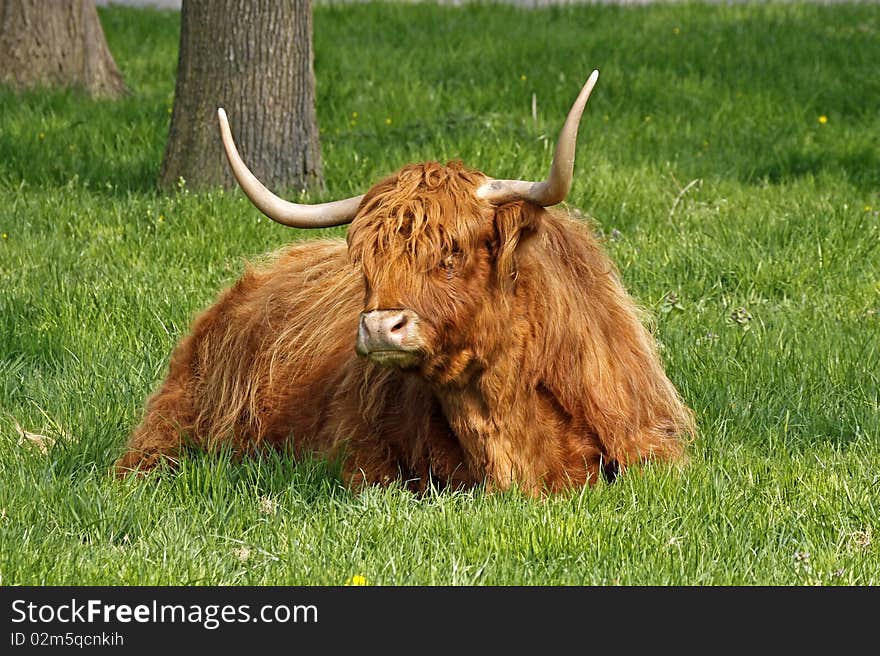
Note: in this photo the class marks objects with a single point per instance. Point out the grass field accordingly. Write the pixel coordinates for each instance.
(731, 157)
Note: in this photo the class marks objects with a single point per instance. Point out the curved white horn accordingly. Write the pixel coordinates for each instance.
(555, 188)
(321, 215)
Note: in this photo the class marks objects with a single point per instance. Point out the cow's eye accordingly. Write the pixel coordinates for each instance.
(450, 263)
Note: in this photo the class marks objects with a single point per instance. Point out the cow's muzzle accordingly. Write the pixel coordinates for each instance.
(389, 337)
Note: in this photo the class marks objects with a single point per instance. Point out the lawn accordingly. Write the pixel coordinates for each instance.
(730, 155)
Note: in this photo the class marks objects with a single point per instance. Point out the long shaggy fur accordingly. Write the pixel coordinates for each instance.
(536, 369)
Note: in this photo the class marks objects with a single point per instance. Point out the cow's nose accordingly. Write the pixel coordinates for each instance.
(385, 329)
(382, 331)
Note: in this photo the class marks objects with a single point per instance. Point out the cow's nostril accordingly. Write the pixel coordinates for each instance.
(400, 325)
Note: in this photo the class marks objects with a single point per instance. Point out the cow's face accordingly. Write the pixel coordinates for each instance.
(437, 247)
(435, 260)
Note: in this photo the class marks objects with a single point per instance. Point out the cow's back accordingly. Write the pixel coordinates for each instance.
(265, 356)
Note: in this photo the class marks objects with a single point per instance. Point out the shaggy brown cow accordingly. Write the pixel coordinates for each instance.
(466, 335)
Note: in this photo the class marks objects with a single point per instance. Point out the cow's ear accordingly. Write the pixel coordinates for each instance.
(514, 224)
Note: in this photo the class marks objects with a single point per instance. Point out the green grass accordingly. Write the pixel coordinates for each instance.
(773, 338)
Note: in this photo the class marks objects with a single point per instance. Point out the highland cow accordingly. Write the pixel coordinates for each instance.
(462, 335)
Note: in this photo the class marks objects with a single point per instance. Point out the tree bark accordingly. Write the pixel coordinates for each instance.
(56, 43)
(254, 58)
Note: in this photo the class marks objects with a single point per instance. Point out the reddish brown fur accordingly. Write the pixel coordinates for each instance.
(535, 370)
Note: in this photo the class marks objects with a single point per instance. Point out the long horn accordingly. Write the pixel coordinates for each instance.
(555, 188)
(321, 215)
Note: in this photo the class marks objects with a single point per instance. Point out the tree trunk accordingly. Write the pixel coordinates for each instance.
(56, 43)
(253, 58)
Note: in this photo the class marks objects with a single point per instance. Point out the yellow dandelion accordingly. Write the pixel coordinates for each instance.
(388, 121)
(523, 77)
(42, 135)
(868, 208)
(5, 236)
(354, 114)
(823, 119)
(161, 218)
(357, 579)
(675, 30)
